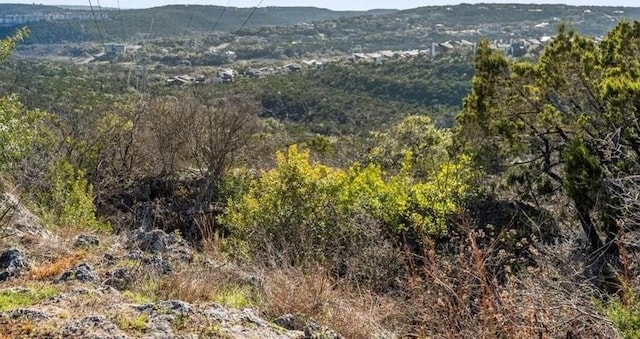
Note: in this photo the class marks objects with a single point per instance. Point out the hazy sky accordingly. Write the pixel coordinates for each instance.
(332, 4)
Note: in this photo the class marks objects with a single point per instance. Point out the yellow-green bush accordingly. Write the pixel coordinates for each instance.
(11, 298)
(625, 318)
(309, 211)
(70, 198)
(290, 208)
(20, 132)
(405, 203)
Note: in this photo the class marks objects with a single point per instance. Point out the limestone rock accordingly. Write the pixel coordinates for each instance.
(22, 221)
(83, 273)
(158, 242)
(86, 240)
(12, 263)
(311, 329)
(94, 327)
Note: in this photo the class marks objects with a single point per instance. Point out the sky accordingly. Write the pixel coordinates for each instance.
(331, 4)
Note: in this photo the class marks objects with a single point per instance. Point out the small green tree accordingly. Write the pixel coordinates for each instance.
(8, 44)
(20, 129)
(70, 198)
(417, 135)
(567, 123)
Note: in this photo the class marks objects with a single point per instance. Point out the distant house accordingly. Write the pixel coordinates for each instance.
(410, 54)
(176, 82)
(115, 49)
(313, 64)
(441, 48)
(359, 57)
(253, 73)
(227, 75)
(231, 55)
(309, 63)
(186, 78)
(180, 80)
(389, 54)
(293, 67)
(466, 43)
(517, 49)
(546, 39)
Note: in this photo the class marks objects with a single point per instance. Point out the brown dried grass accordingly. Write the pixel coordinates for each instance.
(57, 266)
(315, 294)
(456, 296)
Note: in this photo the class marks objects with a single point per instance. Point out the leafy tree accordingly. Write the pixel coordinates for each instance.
(70, 199)
(8, 44)
(566, 123)
(22, 131)
(416, 135)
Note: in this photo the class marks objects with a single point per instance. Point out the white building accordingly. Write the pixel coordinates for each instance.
(115, 49)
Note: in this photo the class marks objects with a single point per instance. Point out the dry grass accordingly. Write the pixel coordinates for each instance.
(455, 296)
(190, 285)
(16, 329)
(442, 295)
(56, 267)
(354, 314)
(450, 296)
(193, 283)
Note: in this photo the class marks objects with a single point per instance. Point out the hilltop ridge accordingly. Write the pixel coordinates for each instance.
(355, 27)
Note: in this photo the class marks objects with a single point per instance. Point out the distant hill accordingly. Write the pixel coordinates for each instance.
(164, 21)
(84, 8)
(419, 28)
(339, 30)
(19, 9)
(596, 20)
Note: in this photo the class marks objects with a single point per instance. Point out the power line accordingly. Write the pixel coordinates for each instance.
(150, 29)
(249, 17)
(193, 13)
(224, 10)
(121, 20)
(95, 19)
(104, 26)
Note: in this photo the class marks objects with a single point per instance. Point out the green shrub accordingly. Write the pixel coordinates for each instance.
(237, 297)
(308, 212)
(21, 132)
(415, 135)
(70, 198)
(137, 323)
(13, 298)
(288, 209)
(625, 318)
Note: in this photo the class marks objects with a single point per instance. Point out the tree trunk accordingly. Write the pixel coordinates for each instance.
(588, 227)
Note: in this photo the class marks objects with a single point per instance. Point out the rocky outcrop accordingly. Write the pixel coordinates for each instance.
(86, 240)
(158, 242)
(94, 327)
(93, 298)
(310, 328)
(21, 224)
(12, 263)
(161, 320)
(83, 273)
(246, 324)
